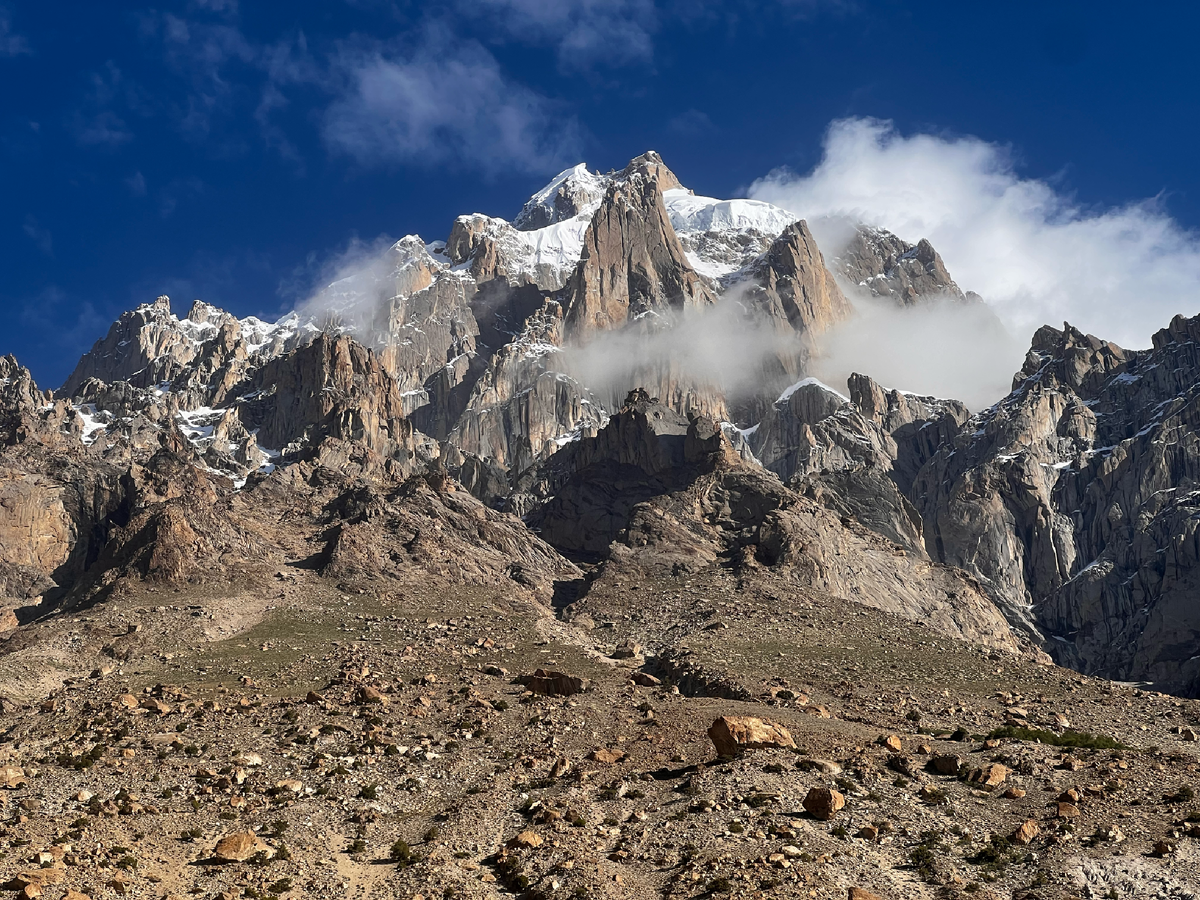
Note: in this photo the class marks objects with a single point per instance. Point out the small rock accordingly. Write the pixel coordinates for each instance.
(368, 694)
(823, 803)
(1026, 832)
(1068, 811)
(1014, 793)
(946, 765)
(529, 839)
(1163, 848)
(892, 742)
(857, 893)
(992, 776)
(608, 757)
(645, 679)
(553, 683)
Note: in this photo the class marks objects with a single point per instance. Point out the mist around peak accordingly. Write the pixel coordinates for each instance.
(1035, 254)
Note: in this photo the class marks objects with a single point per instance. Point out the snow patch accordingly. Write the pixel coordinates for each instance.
(805, 382)
(690, 214)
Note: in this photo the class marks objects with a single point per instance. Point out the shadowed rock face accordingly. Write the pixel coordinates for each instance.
(657, 492)
(1074, 500)
(333, 388)
(796, 287)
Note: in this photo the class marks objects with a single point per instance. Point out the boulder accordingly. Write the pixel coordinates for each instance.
(823, 803)
(237, 847)
(1026, 832)
(989, 776)
(550, 683)
(732, 735)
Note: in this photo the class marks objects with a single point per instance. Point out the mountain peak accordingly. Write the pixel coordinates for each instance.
(572, 192)
(651, 165)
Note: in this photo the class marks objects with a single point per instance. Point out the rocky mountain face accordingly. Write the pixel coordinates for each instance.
(1057, 521)
(1084, 477)
(661, 493)
(479, 573)
(886, 266)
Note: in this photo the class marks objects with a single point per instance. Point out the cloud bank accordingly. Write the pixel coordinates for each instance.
(1037, 256)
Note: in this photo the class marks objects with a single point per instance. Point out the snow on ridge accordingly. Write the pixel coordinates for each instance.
(807, 382)
(691, 213)
(578, 182)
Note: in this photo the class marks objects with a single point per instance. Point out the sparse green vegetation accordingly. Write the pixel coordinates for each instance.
(1071, 739)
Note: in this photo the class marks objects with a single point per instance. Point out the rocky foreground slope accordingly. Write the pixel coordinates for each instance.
(404, 594)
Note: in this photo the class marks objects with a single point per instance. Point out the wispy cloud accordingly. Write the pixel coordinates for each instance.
(39, 235)
(224, 74)
(11, 43)
(691, 123)
(447, 100)
(178, 189)
(584, 33)
(96, 122)
(136, 184)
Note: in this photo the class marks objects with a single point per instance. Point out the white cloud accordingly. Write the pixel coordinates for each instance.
(1036, 255)
(448, 100)
(941, 348)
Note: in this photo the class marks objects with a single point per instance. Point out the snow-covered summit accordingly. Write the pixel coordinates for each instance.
(690, 214)
(572, 192)
(723, 236)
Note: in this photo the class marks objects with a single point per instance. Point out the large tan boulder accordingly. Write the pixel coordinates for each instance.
(732, 735)
(237, 847)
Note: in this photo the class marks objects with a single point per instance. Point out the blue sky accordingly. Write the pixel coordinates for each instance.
(231, 150)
